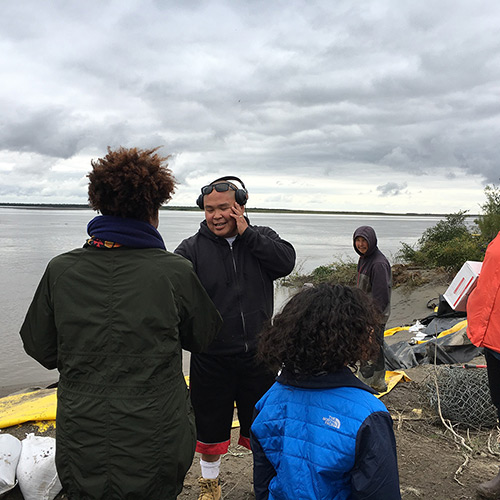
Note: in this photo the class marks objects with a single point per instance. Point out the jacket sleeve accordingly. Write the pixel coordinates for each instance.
(275, 255)
(375, 473)
(483, 304)
(38, 332)
(200, 320)
(183, 250)
(263, 471)
(381, 285)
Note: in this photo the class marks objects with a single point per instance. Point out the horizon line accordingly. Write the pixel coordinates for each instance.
(81, 206)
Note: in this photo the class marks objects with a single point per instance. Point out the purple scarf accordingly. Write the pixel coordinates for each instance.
(131, 233)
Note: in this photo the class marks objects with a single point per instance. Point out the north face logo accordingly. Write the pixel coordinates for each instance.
(332, 422)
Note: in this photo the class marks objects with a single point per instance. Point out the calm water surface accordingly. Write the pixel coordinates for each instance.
(29, 238)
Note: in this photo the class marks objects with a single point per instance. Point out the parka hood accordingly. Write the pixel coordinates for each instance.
(368, 233)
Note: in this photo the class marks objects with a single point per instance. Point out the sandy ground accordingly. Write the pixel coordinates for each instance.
(432, 462)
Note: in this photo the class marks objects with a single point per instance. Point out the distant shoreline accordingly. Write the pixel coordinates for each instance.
(59, 206)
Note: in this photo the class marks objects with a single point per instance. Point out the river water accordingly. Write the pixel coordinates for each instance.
(29, 238)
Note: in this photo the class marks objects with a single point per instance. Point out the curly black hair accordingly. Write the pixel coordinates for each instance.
(321, 329)
(130, 183)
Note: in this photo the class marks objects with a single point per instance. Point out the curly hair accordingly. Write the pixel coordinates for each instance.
(130, 183)
(321, 329)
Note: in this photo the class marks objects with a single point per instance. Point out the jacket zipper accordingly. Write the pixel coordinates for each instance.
(239, 300)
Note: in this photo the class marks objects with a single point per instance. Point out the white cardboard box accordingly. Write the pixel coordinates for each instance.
(463, 284)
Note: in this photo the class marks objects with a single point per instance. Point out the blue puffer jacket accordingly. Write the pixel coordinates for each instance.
(324, 437)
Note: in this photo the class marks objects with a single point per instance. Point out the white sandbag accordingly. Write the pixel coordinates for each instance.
(10, 451)
(36, 470)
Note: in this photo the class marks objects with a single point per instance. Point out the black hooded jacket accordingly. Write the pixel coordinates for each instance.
(374, 271)
(239, 280)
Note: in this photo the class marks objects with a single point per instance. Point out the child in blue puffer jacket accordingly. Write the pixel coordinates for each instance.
(319, 432)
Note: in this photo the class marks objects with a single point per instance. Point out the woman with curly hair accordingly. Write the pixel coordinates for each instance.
(113, 318)
(319, 432)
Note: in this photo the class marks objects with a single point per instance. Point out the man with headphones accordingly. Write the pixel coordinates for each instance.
(237, 263)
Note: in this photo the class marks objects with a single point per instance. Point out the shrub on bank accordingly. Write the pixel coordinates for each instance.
(339, 272)
(489, 221)
(448, 244)
(452, 241)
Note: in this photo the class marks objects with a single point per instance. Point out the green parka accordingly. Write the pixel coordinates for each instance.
(114, 323)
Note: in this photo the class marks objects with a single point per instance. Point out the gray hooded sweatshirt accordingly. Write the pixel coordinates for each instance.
(374, 271)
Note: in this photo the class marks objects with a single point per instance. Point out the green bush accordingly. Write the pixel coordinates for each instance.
(453, 226)
(448, 244)
(409, 255)
(452, 254)
(489, 221)
(339, 272)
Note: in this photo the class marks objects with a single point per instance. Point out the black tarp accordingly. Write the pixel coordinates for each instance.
(449, 349)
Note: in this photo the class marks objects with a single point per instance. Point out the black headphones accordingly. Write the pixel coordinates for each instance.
(240, 195)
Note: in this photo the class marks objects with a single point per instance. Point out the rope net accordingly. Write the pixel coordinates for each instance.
(464, 396)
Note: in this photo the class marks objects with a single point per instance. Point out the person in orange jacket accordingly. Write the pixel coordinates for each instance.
(483, 330)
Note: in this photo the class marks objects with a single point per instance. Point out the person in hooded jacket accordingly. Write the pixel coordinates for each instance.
(320, 433)
(483, 330)
(375, 278)
(237, 264)
(113, 318)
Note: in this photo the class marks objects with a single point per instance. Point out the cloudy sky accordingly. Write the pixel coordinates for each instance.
(386, 105)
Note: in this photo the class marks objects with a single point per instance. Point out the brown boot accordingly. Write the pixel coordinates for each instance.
(491, 488)
(209, 489)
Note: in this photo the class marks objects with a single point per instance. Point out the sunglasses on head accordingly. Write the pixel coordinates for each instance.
(220, 187)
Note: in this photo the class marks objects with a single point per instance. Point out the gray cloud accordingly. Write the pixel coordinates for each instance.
(391, 188)
(309, 89)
